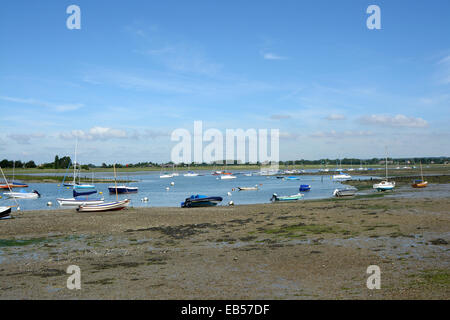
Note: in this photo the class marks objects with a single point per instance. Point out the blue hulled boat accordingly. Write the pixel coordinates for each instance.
(304, 187)
(201, 201)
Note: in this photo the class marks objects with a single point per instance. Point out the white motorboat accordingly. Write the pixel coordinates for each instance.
(227, 177)
(23, 195)
(342, 176)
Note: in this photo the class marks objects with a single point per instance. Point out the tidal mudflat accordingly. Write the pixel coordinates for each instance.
(306, 250)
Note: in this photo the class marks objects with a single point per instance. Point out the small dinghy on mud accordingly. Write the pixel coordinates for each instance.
(5, 213)
(277, 198)
(106, 206)
(201, 201)
(347, 192)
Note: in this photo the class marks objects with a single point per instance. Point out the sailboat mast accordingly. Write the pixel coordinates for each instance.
(115, 182)
(75, 163)
(421, 172)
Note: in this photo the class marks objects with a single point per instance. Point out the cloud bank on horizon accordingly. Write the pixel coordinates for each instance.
(124, 81)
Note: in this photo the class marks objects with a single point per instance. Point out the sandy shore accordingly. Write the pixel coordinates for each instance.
(305, 250)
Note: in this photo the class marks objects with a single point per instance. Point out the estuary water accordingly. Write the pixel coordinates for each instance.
(154, 188)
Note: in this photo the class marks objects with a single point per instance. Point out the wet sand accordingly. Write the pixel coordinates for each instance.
(304, 250)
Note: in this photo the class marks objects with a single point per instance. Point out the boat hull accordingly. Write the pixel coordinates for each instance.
(5, 213)
(110, 206)
(76, 203)
(423, 184)
(20, 195)
(344, 193)
(194, 202)
(123, 189)
(296, 197)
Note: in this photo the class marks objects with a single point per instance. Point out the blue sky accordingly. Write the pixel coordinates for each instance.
(137, 70)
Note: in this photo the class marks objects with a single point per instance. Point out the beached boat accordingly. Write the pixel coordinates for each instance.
(23, 195)
(304, 187)
(347, 192)
(123, 189)
(420, 183)
(78, 201)
(385, 185)
(5, 213)
(201, 201)
(106, 206)
(248, 188)
(295, 197)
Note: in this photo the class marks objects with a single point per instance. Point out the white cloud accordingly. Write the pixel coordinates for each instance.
(25, 138)
(58, 107)
(394, 121)
(332, 117)
(343, 134)
(96, 133)
(280, 117)
(272, 56)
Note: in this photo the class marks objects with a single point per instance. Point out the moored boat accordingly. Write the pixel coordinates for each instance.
(201, 201)
(78, 201)
(23, 195)
(295, 197)
(13, 185)
(248, 188)
(227, 177)
(304, 187)
(342, 176)
(123, 189)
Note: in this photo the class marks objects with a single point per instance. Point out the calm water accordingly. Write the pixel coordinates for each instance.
(154, 188)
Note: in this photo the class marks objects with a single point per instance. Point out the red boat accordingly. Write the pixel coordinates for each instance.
(13, 185)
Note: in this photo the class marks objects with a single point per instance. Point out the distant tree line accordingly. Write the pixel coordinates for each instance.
(66, 162)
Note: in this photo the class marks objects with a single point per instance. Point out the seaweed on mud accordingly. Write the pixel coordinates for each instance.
(50, 273)
(241, 221)
(103, 266)
(101, 281)
(248, 238)
(438, 241)
(182, 231)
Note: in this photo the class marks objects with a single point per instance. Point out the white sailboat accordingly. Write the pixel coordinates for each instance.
(385, 185)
